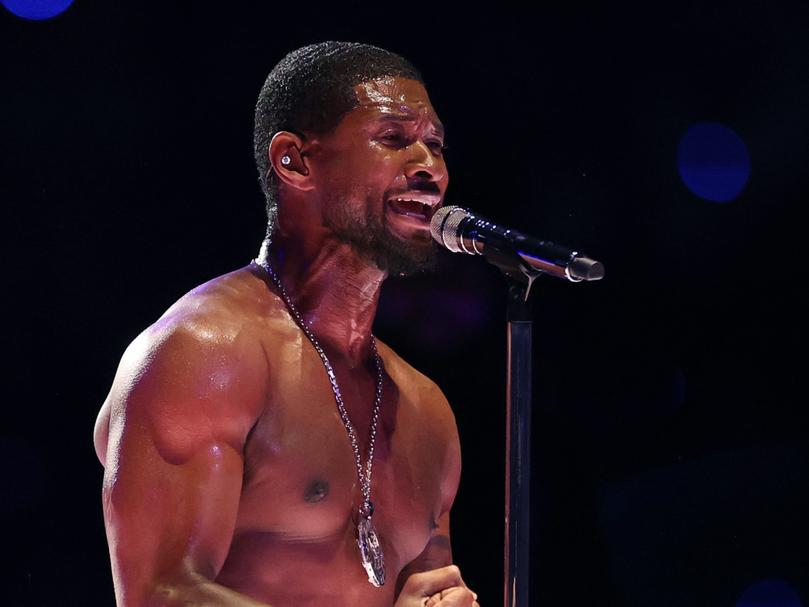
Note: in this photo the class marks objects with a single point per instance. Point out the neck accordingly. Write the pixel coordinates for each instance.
(335, 291)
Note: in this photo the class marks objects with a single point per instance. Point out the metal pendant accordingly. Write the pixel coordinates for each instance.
(371, 551)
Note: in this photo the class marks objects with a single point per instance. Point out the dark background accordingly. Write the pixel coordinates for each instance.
(670, 442)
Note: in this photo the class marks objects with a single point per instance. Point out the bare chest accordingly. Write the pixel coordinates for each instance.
(301, 487)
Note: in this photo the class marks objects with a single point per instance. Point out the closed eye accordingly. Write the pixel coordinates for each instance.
(392, 137)
(437, 147)
(400, 140)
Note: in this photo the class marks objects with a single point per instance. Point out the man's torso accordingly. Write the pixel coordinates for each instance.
(294, 538)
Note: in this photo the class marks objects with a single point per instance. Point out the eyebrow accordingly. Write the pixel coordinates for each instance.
(394, 117)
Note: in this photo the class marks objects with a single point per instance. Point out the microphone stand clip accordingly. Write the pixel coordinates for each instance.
(517, 272)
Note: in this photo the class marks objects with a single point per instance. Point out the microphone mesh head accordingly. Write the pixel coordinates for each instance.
(444, 227)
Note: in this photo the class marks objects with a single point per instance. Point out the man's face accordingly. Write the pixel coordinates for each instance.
(383, 175)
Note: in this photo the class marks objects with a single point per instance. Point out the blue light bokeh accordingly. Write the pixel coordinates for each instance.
(713, 162)
(37, 10)
(769, 593)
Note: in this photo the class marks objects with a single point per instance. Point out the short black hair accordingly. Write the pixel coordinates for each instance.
(309, 91)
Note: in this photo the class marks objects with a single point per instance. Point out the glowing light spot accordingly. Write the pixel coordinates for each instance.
(37, 10)
(713, 162)
(769, 593)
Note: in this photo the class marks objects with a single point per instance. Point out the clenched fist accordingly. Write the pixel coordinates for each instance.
(437, 588)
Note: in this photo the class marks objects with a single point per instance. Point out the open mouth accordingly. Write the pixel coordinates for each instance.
(412, 208)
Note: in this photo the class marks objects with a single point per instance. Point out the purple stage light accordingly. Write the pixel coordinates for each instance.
(36, 10)
(713, 162)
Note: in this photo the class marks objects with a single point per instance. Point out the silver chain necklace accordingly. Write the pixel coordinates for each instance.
(367, 538)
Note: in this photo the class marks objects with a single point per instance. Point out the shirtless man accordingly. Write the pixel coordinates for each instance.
(229, 475)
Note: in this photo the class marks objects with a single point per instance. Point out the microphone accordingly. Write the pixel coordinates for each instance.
(461, 231)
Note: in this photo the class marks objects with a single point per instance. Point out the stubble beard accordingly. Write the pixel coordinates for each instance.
(371, 238)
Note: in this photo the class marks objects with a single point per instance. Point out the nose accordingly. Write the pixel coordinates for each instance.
(423, 164)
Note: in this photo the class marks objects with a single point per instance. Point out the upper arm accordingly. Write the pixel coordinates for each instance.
(438, 551)
(451, 462)
(181, 406)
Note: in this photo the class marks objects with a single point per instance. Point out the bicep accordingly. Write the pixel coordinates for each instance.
(174, 469)
(438, 552)
(166, 520)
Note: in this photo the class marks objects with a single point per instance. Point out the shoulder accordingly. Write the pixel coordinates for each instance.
(211, 328)
(430, 405)
(198, 374)
(422, 391)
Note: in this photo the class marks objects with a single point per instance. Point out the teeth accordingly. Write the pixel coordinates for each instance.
(425, 206)
(419, 209)
(411, 200)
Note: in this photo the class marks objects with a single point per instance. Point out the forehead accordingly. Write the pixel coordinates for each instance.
(394, 98)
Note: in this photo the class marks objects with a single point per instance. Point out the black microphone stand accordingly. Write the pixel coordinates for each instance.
(517, 548)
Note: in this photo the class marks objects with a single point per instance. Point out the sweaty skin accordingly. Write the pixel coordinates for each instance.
(229, 476)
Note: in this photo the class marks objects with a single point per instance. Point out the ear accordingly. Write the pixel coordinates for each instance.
(295, 172)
